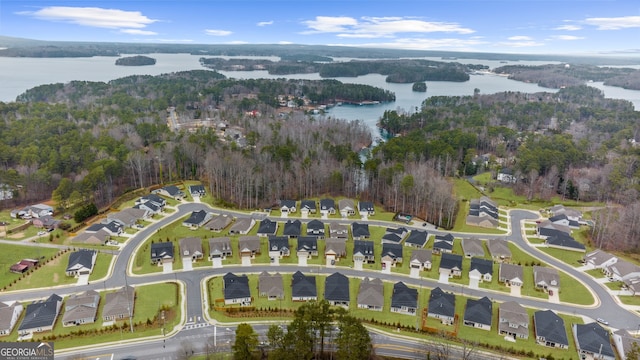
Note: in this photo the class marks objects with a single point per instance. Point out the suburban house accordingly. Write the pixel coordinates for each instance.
(549, 329)
(197, 219)
(366, 208)
(113, 228)
(38, 211)
(41, 315)
(307, 246)
(220, 247)
(128, 217)
(404, 299)
(546, 228)
(242, 226)
(442, 306)
(327, 207)
(420, 259)
(371, 294)
(23, 266)
(171, 191)
(46, 222)
(391, 253)
(303, 288)
(152, 204)
(481, 269)
(478, 313)
(565, 242)
(219, 222)
(119, 304)
(572, 214)
(336, 290)
(339, 231)
(394, 236)
(483, 212)
(9, 315)
(191, 248)
(81, 262)
(443, 244)
(417, 239)
(279, 247)
(472, 247)
(598, 259)
(511, 274)
(287, 206)
(592, 341)
(360, 231)
(499, 250)
(81, 308)
(546, 279)
(249, 246)
(506, 175)
(162, 252)
(334, 249)
(623, 341)
(363, 251)
(308, 207)
(451, 265)
(197, 190)
(563, 219)
(270, 286)
(513, 320)
(346, 207)
(236, 289)
(100, 237)
(267, 227)
(292, 229)
(315, 228)
(622, 270)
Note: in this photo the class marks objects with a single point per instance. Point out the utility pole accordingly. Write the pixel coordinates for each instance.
(126, 290)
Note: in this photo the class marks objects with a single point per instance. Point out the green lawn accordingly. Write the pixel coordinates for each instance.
(12, 254)
(596, 273)
(629, 300)
(569, 257)
(572, 291)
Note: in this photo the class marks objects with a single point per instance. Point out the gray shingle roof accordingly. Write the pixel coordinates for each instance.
(479, 311)
(336, 287)
(236, 287)
(550, 326)
(442, 303)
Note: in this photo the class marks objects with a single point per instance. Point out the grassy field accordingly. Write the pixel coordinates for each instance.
(14, 253)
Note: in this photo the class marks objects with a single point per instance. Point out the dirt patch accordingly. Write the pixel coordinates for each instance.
(56, 278)
(19, 235)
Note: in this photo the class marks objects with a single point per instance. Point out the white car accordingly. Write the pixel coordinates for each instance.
(602, 321)
(40, 233)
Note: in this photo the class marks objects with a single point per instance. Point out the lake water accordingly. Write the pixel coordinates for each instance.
(20, 74)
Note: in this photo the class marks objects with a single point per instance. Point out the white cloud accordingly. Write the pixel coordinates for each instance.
(519, 43)
(614, 23)
(566, 37)
(237, 42)
(265, 23)
(213, 32)
(92, 16)
(520, 38)
(568, 27)
(372, 27)
(424, 44)
(285, 42)
(138, 32)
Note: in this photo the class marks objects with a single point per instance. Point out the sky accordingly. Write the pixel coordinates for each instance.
(505, 26)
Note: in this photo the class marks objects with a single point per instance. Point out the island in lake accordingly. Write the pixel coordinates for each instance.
(136, 61)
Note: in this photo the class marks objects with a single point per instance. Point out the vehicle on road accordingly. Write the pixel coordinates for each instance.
(602, 321)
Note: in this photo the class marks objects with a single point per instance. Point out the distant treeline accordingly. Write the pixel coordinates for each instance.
(136, 61)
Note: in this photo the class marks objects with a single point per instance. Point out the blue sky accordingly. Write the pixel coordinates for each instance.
(511, 26)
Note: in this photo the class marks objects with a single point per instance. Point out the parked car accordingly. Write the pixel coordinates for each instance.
(40, 233)
(602, 321)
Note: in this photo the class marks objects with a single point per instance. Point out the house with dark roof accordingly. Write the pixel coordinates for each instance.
(308, 207)
(563, 219)
(336, 290)
(472, 247)
(9, 314)
(546, 278)
(420, 259)
(157, 201)
(443, 243)
(191, 248)
(339, 231)
(478, 313)
(327, 207)
(572, 214)
(197, 190)
(511, 274)
(303, 288)
(546, 228)
(267, 227)
(171, 191)
(483, 212)
(371, 294)
(592, 341)
(506, 175)
(360, 231)
(81, 262)
(236, 289)
(40, 315)
(451, 265)
(270, 286)
(128, 217)
(549, 329)
(279, 247)
(292, 228)
(416, 239)
(366, 208)
(242, 226)
(81, 308)
(197, 219)
(513, 320)
(334, 249)
(162, 252)
(307, 246)
(287, 206)
(499, 250)
(92, 238)
(315, 228)
(391, 254)
(442, 306)
(46, 222)
(347, 208)
(394, 236)
(249, 246)
(481, 269)
(219, 222)
(220, 247)
(404, 299)
(363, 251)
(119, 304)
(565, 242)
(113, 228)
